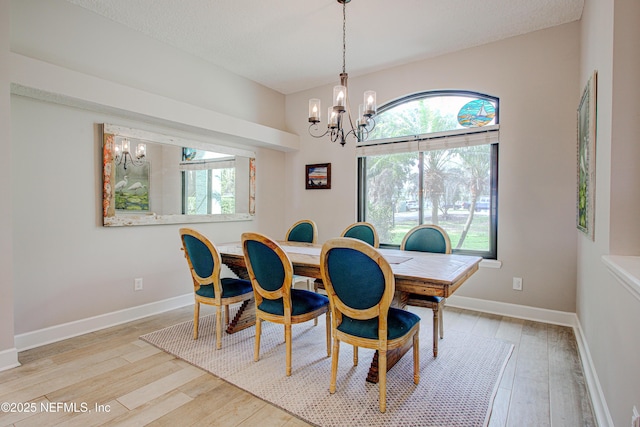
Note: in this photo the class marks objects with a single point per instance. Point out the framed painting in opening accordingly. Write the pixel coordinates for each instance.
(586, 167)
(318, 176)
(132, 187)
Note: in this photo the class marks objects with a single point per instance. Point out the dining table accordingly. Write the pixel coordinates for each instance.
(420, 273)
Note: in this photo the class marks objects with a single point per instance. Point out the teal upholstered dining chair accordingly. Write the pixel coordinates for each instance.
(358, 230)
(428, 238)
(271, 274)
(362, 231)
(205, 264)
(304, 231)
(360, 285)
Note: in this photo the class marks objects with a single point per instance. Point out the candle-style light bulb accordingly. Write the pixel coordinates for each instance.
(141, 150)
(369, 103)
(339, 98)
(314, 110)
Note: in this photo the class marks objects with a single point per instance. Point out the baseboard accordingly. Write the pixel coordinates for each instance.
(79, 327)
(514, 310)
(598, 402)
(9, 359)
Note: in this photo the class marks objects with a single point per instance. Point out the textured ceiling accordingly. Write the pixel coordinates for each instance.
(297, 44)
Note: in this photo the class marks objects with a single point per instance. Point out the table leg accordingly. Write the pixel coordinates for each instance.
(244, 318)
(393, 356)
(246, 315)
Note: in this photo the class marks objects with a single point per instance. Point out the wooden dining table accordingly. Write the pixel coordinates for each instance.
(415, 273)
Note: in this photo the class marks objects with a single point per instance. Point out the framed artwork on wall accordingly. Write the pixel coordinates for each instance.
(586, 168)
(132, 187)
(318, 176)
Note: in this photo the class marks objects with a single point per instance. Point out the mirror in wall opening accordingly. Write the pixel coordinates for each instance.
(151, 178)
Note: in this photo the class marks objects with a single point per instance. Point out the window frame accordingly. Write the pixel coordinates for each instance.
(492, 252)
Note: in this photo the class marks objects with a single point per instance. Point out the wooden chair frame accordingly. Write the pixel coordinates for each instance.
(417, 300)
(214, 279)
(283, 292)
(381, 310)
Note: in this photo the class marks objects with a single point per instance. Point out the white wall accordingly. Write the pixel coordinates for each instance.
(68, 267)
(8, 354)
(534, 76)
(609, 314)
(64, 34)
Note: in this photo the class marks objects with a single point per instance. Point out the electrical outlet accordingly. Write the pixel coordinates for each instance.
(635, 418)
(517, 283)
(137, 284)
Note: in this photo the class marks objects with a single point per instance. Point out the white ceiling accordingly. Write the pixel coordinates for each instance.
(294, 45)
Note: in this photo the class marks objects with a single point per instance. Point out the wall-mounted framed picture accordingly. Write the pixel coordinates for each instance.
(586, 168)
(318, 176)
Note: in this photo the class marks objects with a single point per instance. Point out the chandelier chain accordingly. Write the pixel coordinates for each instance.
(344, 37)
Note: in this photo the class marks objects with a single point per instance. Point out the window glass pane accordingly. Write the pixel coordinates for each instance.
(392, 189)
(456, 194)
(196, 192)
(210, 191)
(432, 113)
(227, 190)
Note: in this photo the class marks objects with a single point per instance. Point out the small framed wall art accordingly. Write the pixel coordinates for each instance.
(318, 176)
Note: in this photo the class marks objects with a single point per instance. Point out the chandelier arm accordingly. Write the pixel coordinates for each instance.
(314, 126)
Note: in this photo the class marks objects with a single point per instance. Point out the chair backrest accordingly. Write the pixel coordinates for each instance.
(203, 259)
(304, 230)
(359, 281)
(362, 231)
(427, 238)
(269, 268)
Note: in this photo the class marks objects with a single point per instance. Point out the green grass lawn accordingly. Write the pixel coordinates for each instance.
(477, 237)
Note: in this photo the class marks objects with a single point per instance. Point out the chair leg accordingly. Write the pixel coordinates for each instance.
(416, 358)
(441, 321)
(355, 355)
(328, 331)
(334, 365)
(256, 349)
(226, 315)
(196, 319)
(436, 321)
(382, 379)
(218, 328)
(287, 339)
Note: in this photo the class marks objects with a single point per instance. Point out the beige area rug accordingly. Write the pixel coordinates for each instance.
(456, 389)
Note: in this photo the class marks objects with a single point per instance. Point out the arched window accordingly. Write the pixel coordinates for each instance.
(433, 159)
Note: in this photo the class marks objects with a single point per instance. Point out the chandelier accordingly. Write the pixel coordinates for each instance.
(340, 111)
(123, 153)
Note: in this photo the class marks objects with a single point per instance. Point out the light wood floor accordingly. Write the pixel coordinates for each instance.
(136, 384)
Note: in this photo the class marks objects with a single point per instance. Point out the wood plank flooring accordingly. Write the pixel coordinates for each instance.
(136, 384)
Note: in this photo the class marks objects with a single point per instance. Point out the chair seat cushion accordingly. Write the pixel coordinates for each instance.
(301, 302)
(230, 288)
(399, 323)
(427, 298)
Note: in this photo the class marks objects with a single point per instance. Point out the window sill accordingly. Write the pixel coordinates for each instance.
(490, 263)
(627, 270)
